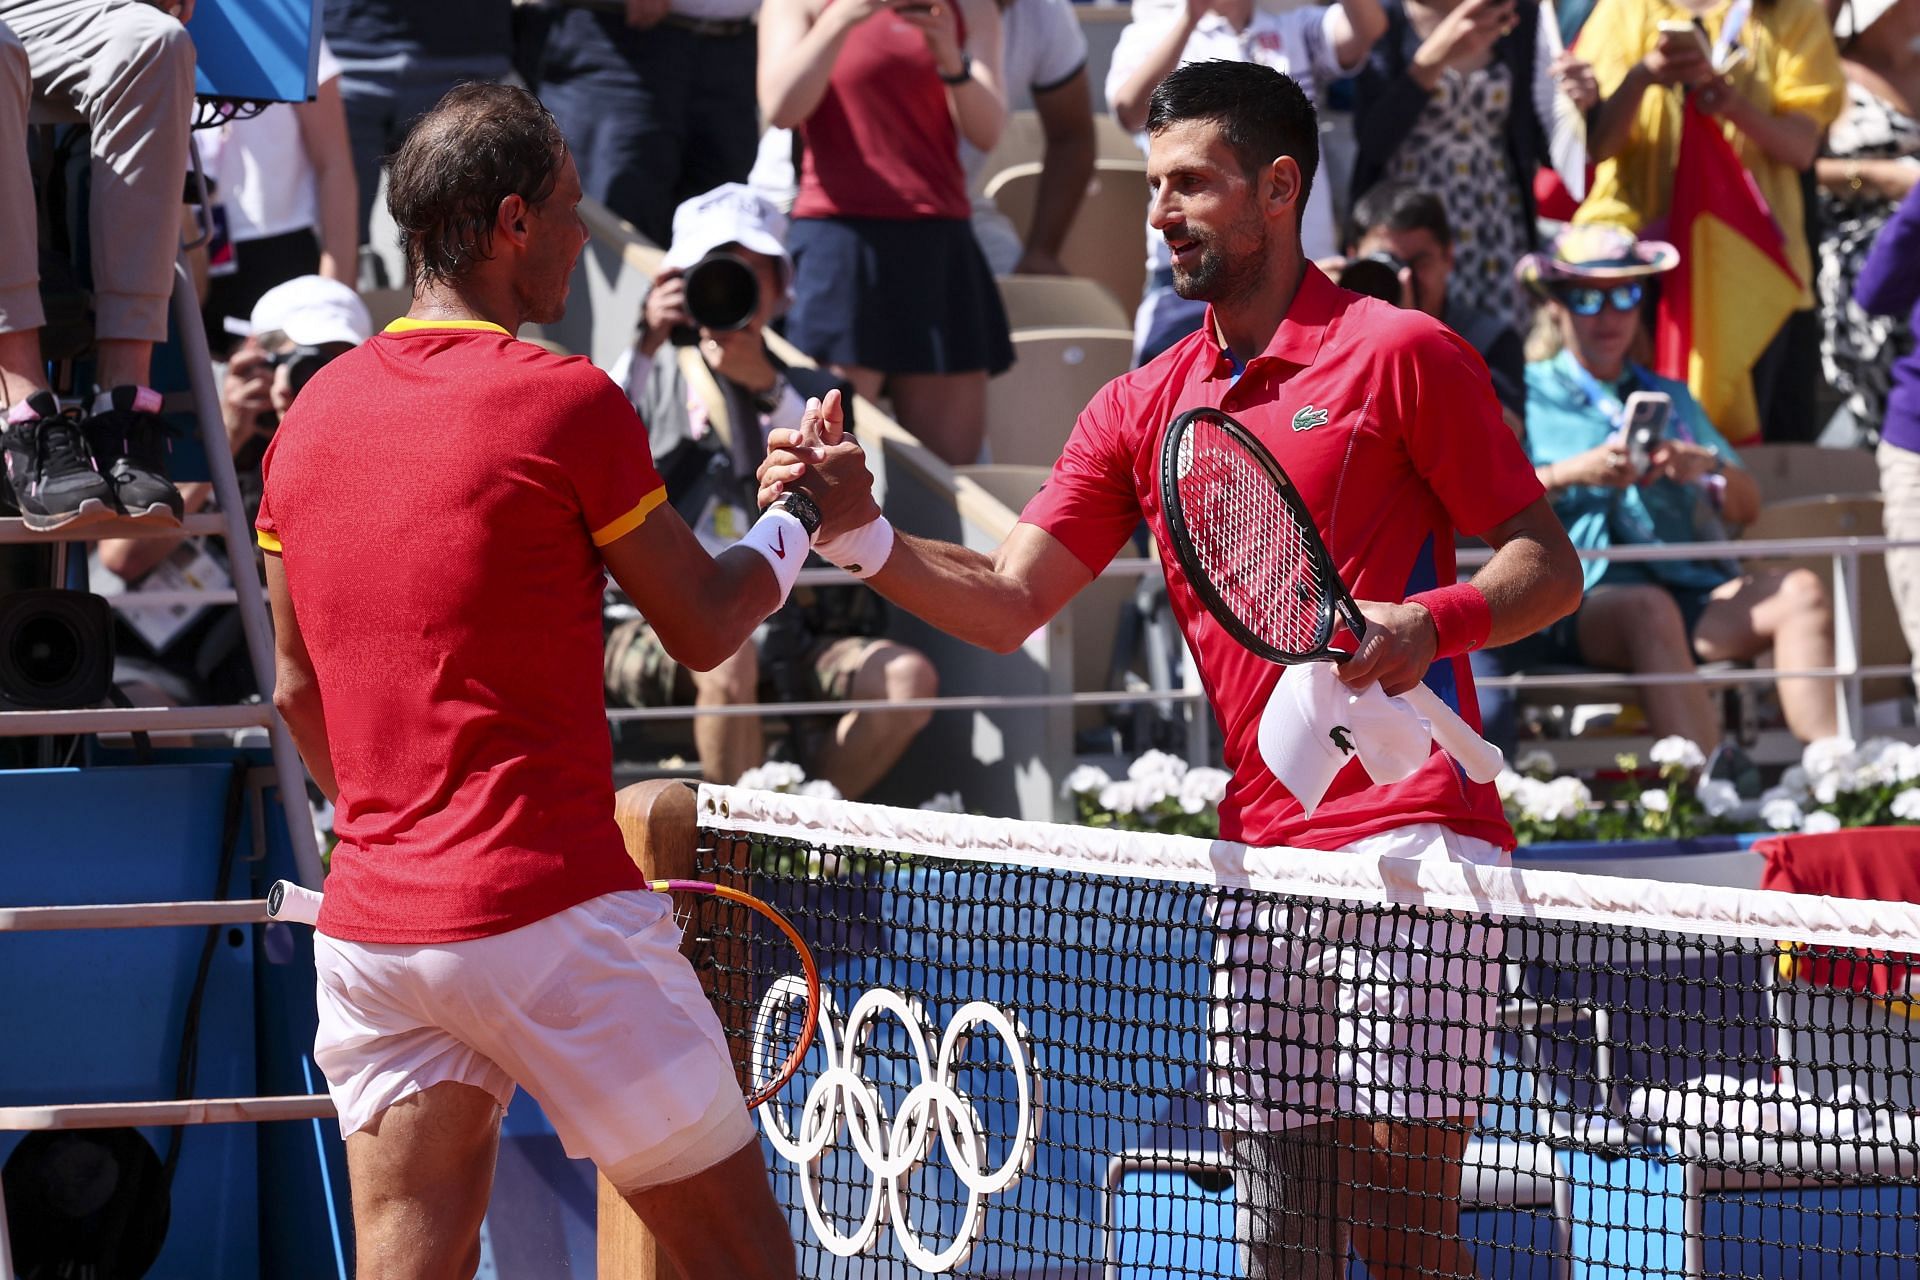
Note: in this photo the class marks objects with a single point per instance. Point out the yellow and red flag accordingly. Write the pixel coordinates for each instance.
(1734, 287)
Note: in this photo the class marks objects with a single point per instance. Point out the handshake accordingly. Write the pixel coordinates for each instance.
(825, 464)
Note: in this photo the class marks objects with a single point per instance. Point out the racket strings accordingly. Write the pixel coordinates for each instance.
(1250, 544)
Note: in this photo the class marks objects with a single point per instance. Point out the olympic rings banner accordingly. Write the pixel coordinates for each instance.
(841, 1101)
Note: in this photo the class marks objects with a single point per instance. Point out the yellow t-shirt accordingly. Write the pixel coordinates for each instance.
(1791, 65)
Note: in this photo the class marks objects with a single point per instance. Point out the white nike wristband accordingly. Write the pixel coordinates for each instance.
(861, 552)
(783, 540)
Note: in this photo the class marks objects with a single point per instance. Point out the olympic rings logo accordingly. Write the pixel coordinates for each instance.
(892, 1148)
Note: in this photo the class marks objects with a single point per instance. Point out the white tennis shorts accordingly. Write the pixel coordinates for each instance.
(592, 1010)
(1324, 1009)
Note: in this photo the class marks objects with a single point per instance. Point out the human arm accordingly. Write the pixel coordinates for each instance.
(1066, 167)
(1875, 179)
(1889, 280)
(703, 607)
(1351, 27)
(1533, 579)
(797, 51)
(323, 134)
(978, 100)
(1462, 37)
(1626, 66)
(1786, 137)
(1158, 54)
(296, 690)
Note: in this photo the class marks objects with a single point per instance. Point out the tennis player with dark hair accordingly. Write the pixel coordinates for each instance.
(1345, 1053)
(442, 505)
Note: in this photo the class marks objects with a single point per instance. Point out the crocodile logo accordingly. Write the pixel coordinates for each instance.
(1342, 738)
(1308, 418)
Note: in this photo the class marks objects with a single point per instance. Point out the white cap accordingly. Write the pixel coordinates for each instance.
(730, 214)
(1313, 725)
(313, 311)
(1856, 16)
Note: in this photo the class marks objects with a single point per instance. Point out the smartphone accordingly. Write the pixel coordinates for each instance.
(1687, 31)
(1644, 426)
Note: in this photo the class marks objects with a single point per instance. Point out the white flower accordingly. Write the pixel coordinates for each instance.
(1906, 805)
(1677, 750)
(1507, 783)
(1828, 756)
(1160, 767)
(1718, 797)
(1795, 782)
(1781, 813)
(1550, 802)
(1906, 764)
(1827, 787)
(1202, 789)
(1536, 761)
(944, 802)
(1654, 801)
(1820, 822)
(775, 775)
(1085, 778)
(1122, 797)
(819, 789)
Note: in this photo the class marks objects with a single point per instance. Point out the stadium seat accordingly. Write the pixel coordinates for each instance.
(1031, 408)
(1060, 302)
(1882, 643)
(1786, 472)
(1024, 142)
(1108, 239)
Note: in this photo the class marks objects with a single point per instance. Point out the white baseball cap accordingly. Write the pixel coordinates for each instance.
(730, 214)
(1314, 725)
(313, 311)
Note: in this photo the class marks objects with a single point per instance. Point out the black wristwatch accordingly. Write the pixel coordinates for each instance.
(800, 507)
(964, 74)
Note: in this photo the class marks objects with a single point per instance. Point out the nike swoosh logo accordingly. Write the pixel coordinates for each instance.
(780, 543)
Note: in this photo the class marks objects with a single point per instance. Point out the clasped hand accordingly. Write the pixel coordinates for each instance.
(822, 461)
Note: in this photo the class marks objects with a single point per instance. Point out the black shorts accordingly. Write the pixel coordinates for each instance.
(895, 296)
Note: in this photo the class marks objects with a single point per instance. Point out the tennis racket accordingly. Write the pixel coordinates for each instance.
(1247, 543)
(775, 1059)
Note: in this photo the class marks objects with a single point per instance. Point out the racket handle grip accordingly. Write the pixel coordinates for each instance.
(293, 903)
(1480, 758)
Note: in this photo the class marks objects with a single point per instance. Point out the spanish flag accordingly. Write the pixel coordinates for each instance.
(1734, 287)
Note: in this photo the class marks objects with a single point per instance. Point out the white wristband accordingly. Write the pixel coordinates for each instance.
(861, 552)
(782, 539)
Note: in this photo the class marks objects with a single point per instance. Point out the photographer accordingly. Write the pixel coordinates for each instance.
(708, 389)
(1400, 250)
(182, 654)
(1676, 482)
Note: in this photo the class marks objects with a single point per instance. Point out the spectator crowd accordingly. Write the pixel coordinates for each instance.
(817, 166)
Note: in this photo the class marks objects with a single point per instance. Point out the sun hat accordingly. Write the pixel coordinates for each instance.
(733, 213)
(1595, 252)
(313, 311)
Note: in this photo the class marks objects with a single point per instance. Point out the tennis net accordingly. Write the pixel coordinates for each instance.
(1063, 1052)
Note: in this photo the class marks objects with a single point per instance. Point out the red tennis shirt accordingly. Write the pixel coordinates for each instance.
(438, 497)
(1386, 422)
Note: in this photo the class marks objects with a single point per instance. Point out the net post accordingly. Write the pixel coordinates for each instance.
(659, 821)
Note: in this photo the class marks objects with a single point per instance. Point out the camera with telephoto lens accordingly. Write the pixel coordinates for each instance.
(1377, 276)
(723, 295)
(301, 363)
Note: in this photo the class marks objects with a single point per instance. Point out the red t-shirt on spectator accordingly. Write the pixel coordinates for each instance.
(882, 142)
(437, 498)
(1386, 422)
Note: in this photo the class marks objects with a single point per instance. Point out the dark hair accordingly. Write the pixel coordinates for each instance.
(1262, 114)
(1398, 206)
(480, 144)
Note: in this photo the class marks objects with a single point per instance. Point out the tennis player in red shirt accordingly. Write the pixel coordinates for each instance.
(441, 508)
(1346, 1044)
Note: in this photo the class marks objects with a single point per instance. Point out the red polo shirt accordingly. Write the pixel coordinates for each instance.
(438, 498)
(1387, 423)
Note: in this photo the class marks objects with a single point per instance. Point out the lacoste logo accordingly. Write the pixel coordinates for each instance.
(1342, 738)
(1308, 418)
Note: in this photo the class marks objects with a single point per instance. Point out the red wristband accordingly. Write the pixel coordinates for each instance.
(1461, 618)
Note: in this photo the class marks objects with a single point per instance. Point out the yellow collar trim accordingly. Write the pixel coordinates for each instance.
(407, 324)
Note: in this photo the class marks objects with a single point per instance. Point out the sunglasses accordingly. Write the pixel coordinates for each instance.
(1588, 300)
